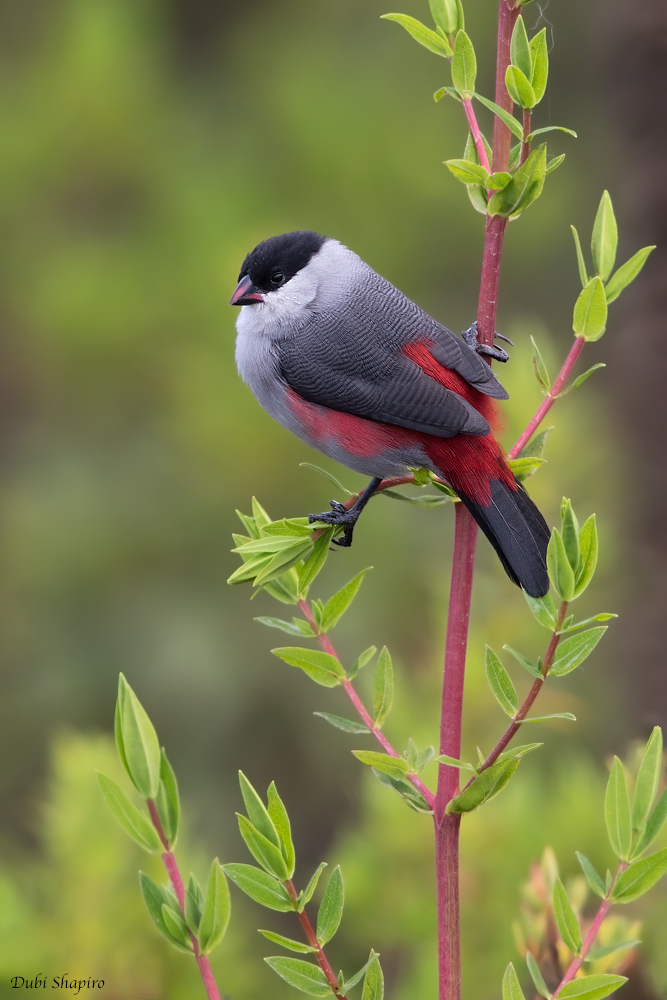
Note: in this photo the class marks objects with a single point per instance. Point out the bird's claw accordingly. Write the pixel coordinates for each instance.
(338, 517)
(497, 353)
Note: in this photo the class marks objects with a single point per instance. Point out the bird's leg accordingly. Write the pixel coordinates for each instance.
(470, 338)
(338, 516)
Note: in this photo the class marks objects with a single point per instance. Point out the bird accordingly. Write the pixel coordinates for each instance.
(340, 357)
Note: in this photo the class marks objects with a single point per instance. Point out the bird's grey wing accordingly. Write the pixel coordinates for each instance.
(451, 352)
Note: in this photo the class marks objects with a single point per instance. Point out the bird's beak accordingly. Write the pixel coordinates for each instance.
(245, 293)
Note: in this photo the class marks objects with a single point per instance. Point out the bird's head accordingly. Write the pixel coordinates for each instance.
(272, 265)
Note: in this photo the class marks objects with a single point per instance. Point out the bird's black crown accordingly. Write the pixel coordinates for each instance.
(276, 260)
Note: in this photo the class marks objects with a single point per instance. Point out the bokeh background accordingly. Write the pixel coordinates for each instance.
(145, 147)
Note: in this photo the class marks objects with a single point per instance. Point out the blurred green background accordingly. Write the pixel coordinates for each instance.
(145, 147)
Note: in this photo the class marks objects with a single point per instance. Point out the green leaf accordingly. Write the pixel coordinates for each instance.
(268, 855)
(582, 378)
(515, 127)
(357, 977)
(168, 801)
(395, 767)
(373, 982)
(617, 812)
(511, 988)
(468, 173)
(383, 694)
(592, 877)
(560, 571)
(337, 605)
(176, 928)
(429, 39)
(455, 762)
(639, 877)
(501, 684)
(627, 273)
(520, 51)
(583, 275)
(566, 918)
(591, 987)
(307, 893)
(537, 977)
(447, 14)
(555, 715)
(215, 914)
(484, 787)
(541, 372)
(154, 901)
(553, 163)
(464, 66)
(410, 795)
(533, 670)
(194, 904)
(269, 545)
(128, 816)
(292, 628)
(302, 975)
(280, 819)
(524, 467)
(543, 608)
(597, 953)
(285, 588)
(257, 813)
(347, 725)
(327, 475)
(282, 561)
(590, 311)
(540, 55)
(331, 908)
(261, 887)
(588, 541)
(249, 524)
(602, 617)
(655, 823)
(552, 128)
(648, 776)
(323, 668)
(443, 91)
(361, 661)
(430, 500)
(605, 238)
(570, 534)
(517, 752)
(315, 561)
(499, 180)
(288, 943)
(138, 739)
(260, 515)
(519, 87)
(525, 188)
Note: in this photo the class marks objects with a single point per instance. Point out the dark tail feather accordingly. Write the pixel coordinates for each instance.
(518, 533)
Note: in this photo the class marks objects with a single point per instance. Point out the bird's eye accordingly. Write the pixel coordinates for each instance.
(277, 278)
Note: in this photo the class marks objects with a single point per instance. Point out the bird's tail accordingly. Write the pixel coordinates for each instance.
(518, 533)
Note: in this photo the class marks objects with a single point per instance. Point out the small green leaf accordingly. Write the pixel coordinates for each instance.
(484, 787)
(268, 855)
(455, 762)
(537, 977)
(154, 901)
(167, 801)
(532, 669)
(429, 39)
(591, 987)
(443, 91)
(520, 51)
(347, 725)
(590, 311)
(511, 988)
(327, 475)
(194, 903)
(383, 695)
(464, 66)
(518, 752)
(525, 188)
(307, 894)
(617, 812)
(501, 684)
(655, 823)
(554, 715)
(177, 930)
(543, 608)
(430, 500)
(261, 887)
(395, 767)
(285, 588)
(410, 795)
(626, 274)
(331, 908)
(467, 172)
(513, 125)
(260, 515)
(570, 534)
(257, 813)
(292, 628)
(566, 918)
(602, 617)
(373, 982)
(499, 180)
(553, 163)
(639, 877)
(337, 605)
(541, 372)
(447, 14)
(288, 943)
(552, 128)
(592, 877)
(605, 238)
(524, 467)
(281, 822)
(362, 660)
(519, 87)
(540, 55)
(582, 378)
(588, 542)
(560, 571)
(128, 816)
(215, 914)
(583, 276)
(597, 953)
(137, 736)
(647, 780)
(302, 975)
(323, 668)
(358, 976)
(315, 561)
(289, 557)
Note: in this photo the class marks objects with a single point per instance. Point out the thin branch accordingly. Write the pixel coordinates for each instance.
(311, 937)
(476, 134)
(326, 646)
(174, 874)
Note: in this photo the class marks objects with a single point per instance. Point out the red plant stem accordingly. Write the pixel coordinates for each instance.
(502, 137)
(592, 933)
(551, 396)
(476, 134)
(525, 144)
(311, 937)
(175, 878)
(326, 646)
(488, 289)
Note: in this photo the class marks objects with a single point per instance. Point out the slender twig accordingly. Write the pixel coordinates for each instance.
(311, 937)
(177, 882)
(476, 134)
(592, 932)
(525, 143)
(502, 137)
(326, 646)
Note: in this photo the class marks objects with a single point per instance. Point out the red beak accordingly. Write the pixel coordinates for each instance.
(245, 293)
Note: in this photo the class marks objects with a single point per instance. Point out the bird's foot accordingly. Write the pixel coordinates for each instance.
(338, 517)
(470, 337)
